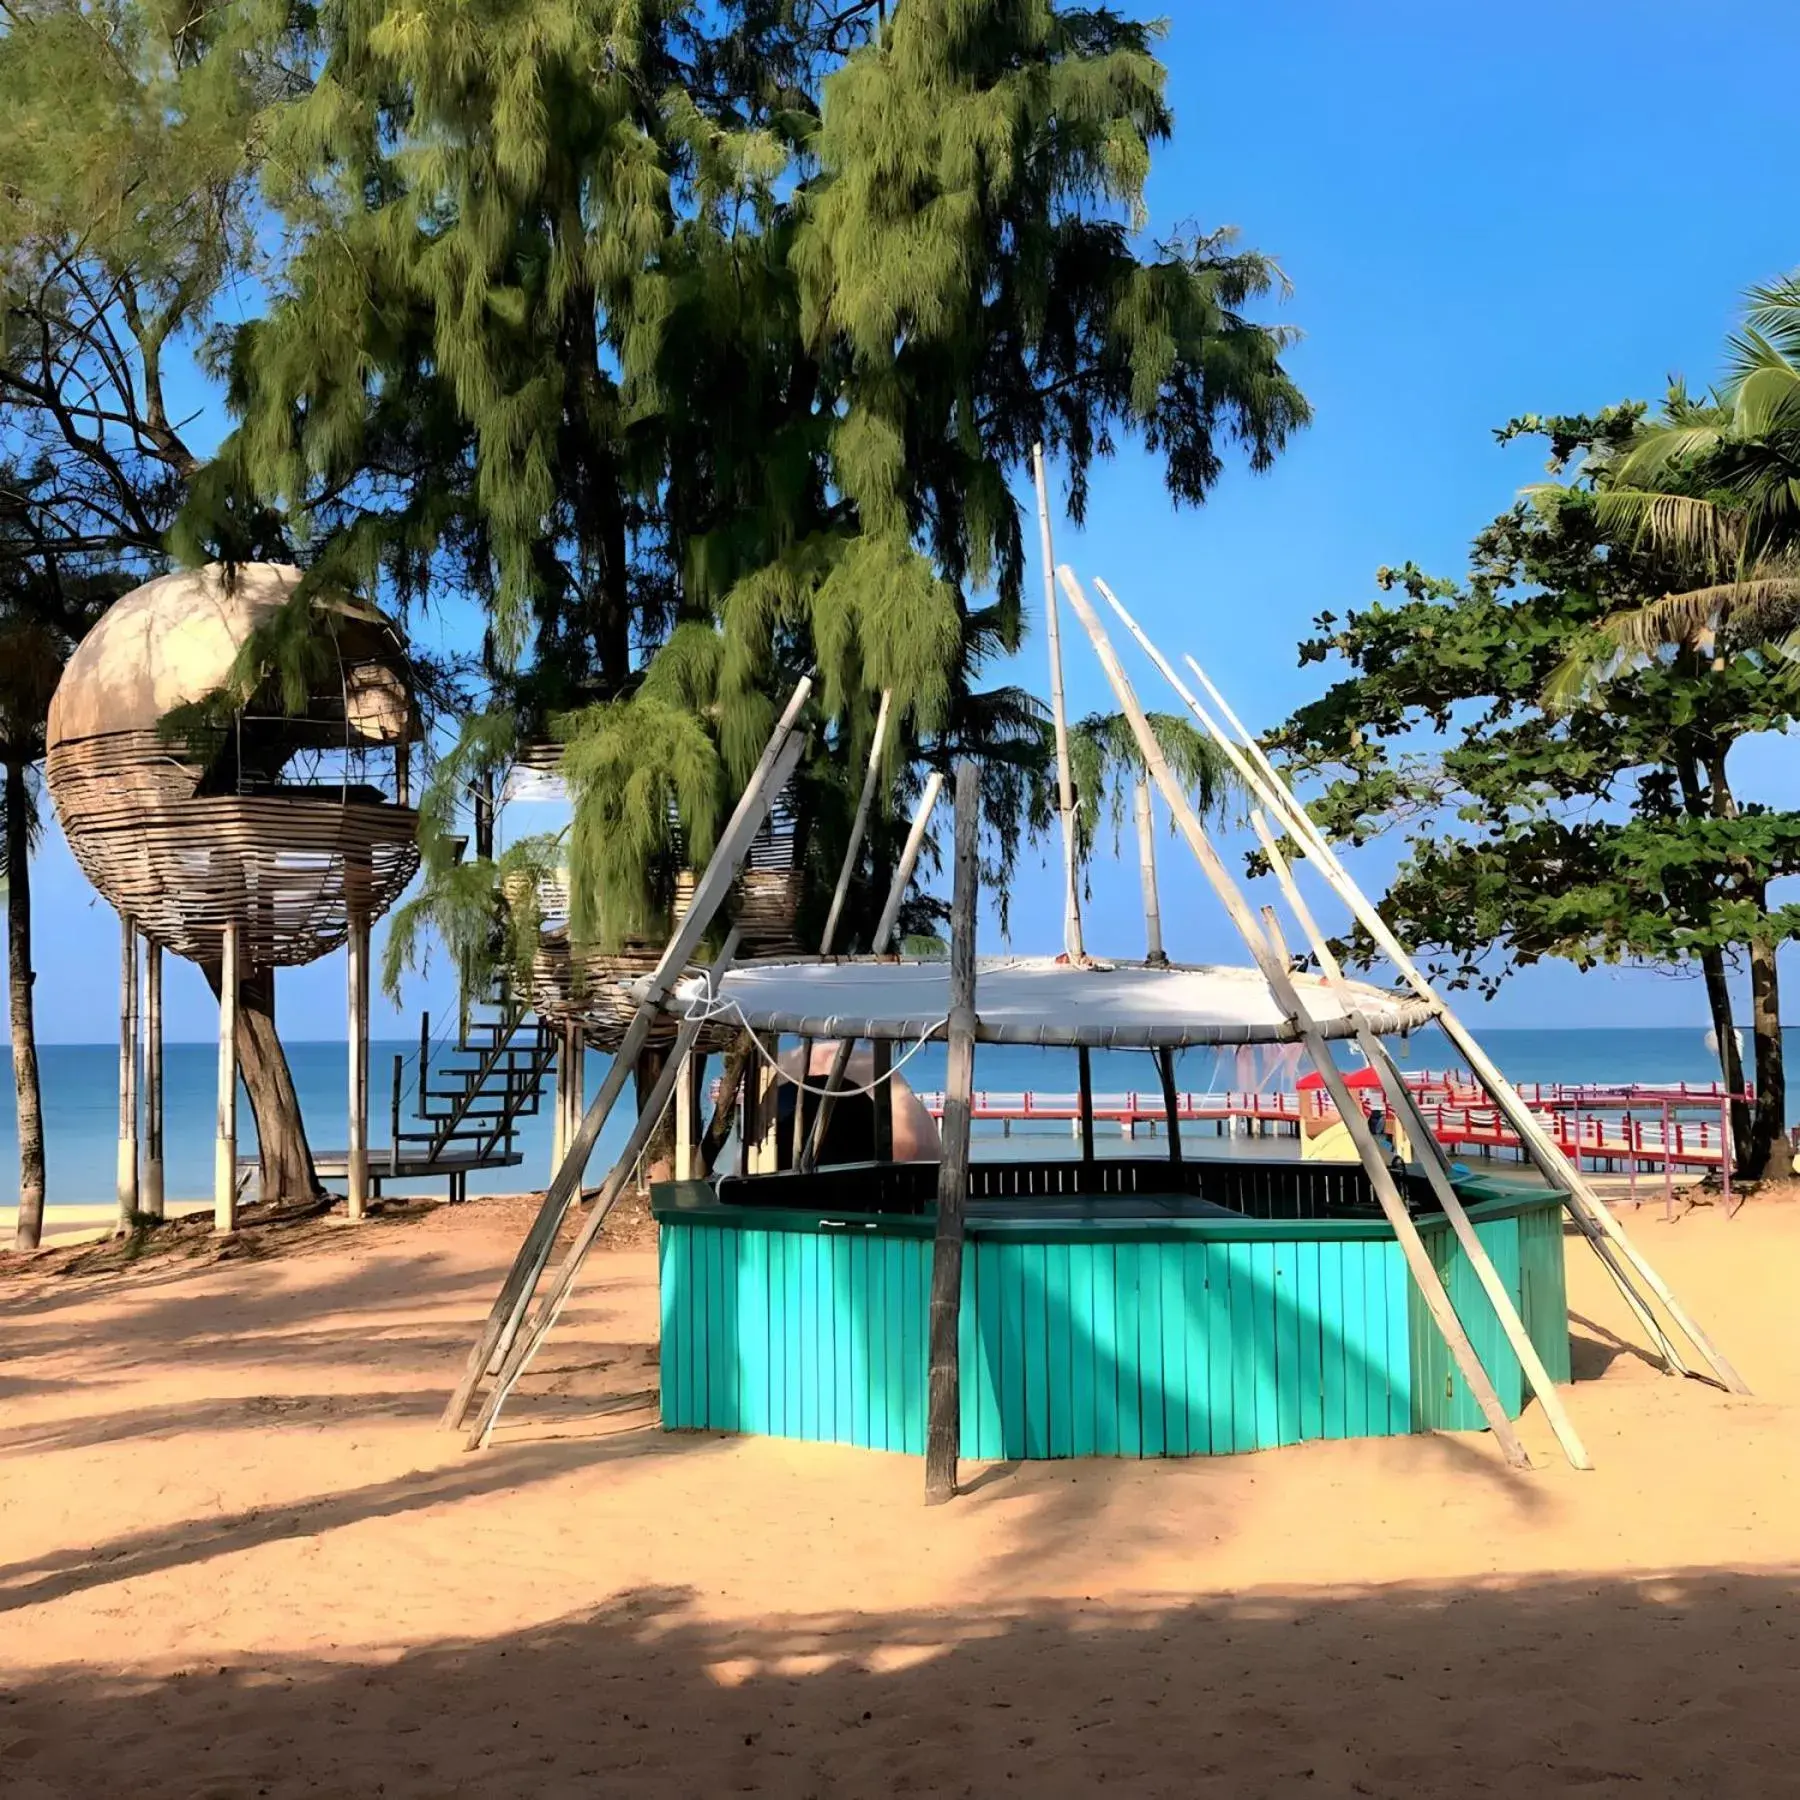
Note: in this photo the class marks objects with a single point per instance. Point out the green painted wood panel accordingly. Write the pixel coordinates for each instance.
(1544, 1280)
(1129, 1345)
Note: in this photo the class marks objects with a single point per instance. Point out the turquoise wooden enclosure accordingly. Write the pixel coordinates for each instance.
(1091, 1336)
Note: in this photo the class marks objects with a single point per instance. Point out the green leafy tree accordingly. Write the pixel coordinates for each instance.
(701, 345)
(49, 596)
(127, 216)
(1606, 832)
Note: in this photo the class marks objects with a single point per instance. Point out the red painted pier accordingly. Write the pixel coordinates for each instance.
(1630, 1129)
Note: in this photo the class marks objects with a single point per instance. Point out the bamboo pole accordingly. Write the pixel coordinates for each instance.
(943, 1424)
(685, 1103)
(858, 827)
(1590, 1214)
(1287, 997)
(1146, 836)
(1059, 719)
(356, 1170)
(884, 936)
(1165, 1067)
(805, 1151)
(127, 1183)
(225, 1148)
(543, 1321)
(1405, 1108)
(779, 758)
(151, 1201)
(1084, 1075)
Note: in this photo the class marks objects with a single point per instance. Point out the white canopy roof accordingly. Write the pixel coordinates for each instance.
(1035, 1000)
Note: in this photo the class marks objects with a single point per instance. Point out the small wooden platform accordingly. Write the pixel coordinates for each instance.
(455, 1165)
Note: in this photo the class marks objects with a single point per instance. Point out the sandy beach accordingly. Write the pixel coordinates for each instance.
(238, 1557)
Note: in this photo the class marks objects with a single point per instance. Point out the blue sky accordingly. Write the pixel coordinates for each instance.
(1484, 211)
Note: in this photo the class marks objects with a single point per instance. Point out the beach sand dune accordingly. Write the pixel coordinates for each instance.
(238, 1558)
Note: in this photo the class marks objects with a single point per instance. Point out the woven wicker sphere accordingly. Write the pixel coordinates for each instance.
(281, 824)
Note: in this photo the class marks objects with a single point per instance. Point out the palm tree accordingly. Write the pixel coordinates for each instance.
(1716, 484)
(46, 606)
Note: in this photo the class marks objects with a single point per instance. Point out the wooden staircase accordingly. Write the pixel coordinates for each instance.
(469, 1104)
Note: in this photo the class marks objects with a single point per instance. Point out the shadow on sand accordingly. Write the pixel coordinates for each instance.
(1680, 1684)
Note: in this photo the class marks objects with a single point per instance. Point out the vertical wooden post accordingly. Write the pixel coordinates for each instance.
(943, 1425)
(356, 1169)
(128, 1073)
(151, 1201)
(225, 1148)
(1084, 1069)
(1146, 835)
(686, 1100)
(881, 1060)
(1059, 719)
(559, 1119)
(577, 1091)
(1165, 1067)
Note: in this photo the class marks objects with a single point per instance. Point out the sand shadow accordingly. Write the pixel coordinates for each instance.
(1600, 1685)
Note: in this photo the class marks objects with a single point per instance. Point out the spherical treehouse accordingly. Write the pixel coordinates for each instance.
(250, 838)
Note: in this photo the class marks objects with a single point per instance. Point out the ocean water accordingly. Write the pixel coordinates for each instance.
(80, 1086)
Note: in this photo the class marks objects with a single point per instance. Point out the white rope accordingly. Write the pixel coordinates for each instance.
(708, 1005)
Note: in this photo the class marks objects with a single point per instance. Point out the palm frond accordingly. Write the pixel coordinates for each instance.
(1705, 531)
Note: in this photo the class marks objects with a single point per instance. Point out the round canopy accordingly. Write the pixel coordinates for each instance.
(1037, 1000)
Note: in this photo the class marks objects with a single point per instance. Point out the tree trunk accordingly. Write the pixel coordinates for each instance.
(286, 1159)
(1771, 1155)
(659, 1153)
(24, 1032)
(1731, 1060)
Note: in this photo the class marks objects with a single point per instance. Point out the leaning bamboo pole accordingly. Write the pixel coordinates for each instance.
(780, 756)
(543, 1321)
(1405, 1107)
(878, 945)
(1590, 1214)
(805, 1155)
(1287, 997)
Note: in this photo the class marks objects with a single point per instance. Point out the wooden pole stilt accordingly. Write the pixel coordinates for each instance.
(878, 946)
(517, 1357)
(151, 1200)
(943, 1422)
(492, 1344)
(1059, 719)
(1287, 997)
(686, 1103)
(127, 1184)
(1405, 1108)
(356, 1170)
(225, 1148)
(1084, 1074)
(1165, 1067)
(1591, 1215)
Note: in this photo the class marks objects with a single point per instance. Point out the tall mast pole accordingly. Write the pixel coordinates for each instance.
(1065, 783)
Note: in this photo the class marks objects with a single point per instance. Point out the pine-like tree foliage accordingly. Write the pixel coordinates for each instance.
(704, 344)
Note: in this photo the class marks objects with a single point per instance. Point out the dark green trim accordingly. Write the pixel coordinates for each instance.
(694, 1203)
